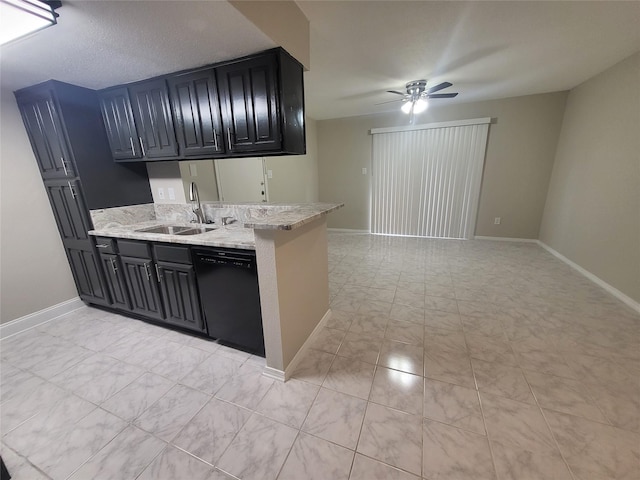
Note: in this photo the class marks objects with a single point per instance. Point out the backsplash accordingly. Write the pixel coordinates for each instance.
(116, 216)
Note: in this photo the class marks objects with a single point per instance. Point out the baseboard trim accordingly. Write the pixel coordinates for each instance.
(274, 373)
(38, 318)
(347, 230)
(283, 376)
(506, 239)
(597, 280)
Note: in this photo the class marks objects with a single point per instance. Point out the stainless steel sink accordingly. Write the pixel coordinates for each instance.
(196, 231)
(176, 229)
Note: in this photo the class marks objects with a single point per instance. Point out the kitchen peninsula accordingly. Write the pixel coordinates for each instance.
(290, 243)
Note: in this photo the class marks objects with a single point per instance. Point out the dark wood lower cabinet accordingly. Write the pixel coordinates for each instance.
(153, 280)
(87, 274)
(179, 293)
(116, 282)
(142, 287)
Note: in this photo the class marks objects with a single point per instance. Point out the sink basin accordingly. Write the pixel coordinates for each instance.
(196, 231)
(176, 230)
(166, 229)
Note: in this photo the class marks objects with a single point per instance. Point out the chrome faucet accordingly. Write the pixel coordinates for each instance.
(195, 197)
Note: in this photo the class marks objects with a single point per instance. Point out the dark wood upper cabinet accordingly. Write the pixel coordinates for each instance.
(250, 106)
(41, 117)
(63, 121)
(119, 124)
(68, 138)
(248, 94)
(153, 118)
(196, 110)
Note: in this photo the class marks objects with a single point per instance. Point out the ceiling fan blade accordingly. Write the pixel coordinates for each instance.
(439, 87)
(396, 92)
(442, 95)
(391, 101)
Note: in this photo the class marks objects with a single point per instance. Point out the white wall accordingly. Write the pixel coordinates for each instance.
(165, 176)
(520, 152)
(205, 179)
(592, 213)
(295, 177)
(34, 272)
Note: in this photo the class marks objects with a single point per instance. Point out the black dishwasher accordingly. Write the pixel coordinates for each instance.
(230, 297)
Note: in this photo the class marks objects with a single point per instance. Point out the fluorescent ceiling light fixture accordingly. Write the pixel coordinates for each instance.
(19, 18)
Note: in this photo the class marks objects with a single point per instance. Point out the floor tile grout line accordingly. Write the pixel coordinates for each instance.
(484, 418)
(26, 459)
(537, 404)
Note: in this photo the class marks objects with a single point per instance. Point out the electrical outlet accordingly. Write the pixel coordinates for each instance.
(364, 170)
(172, 193)
(497, 220)
(269, 173)
(161, 193)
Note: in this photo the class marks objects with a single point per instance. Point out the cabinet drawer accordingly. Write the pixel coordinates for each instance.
(134, 248)
(171, 253)
(106, 245)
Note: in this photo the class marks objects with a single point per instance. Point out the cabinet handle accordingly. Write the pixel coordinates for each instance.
(64, 167)
(229, 137)
(146, 269)
(158, 273)
(113, 265)
(102, 245)
(142, 147)
(73, 193)
(133, 148)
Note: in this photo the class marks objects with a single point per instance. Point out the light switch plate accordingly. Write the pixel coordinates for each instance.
(172, 193)
(364, 170)
(497, 220)
(269, 173)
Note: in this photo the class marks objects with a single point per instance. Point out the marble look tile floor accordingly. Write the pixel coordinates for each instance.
(442, 360)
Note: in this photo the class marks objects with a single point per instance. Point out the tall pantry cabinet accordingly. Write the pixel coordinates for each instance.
(66, 131)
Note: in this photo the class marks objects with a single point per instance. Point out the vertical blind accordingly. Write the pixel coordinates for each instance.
(426, 179)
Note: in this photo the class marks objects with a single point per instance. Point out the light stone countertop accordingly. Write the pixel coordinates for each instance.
(230, 236)
(235, 235)
(287, 216)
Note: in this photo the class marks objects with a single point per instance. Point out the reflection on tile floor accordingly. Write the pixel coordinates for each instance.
(442, 360)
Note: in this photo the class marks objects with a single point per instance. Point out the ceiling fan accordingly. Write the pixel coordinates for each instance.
(416, 98)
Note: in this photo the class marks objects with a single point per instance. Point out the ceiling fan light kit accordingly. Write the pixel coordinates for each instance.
(416, 99)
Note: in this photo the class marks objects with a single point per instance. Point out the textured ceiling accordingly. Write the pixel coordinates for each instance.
(359, 49)
(102, 43)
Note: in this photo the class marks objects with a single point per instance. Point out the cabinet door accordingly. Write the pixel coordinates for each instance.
(154, 122)
(196, 110)
(44, 127)
(69, 209)
(115, 280)
(87, 274)
(142, 287)
(248, 93)
(180, 295)
(119, 124)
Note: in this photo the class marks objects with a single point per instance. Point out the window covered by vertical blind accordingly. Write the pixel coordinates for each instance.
(426, 179)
